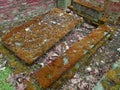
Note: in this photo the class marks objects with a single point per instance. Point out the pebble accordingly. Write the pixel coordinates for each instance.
(39, 23)
(88, 69)
(118, 49)
(42, 64)
(27, 29)
(55, 55)
(18, 44)
(105, 33)
(102, 62)
(53, 22)
(97, 63)
(61, 14)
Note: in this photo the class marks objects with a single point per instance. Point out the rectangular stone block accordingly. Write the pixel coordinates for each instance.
(32, 39)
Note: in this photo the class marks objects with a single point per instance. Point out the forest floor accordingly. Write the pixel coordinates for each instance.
(86, 78)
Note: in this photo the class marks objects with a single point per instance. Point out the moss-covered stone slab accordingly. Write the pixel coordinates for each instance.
(33, 38)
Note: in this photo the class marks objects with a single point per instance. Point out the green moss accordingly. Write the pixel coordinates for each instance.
(4, 85)
(105, 85)
(113, 75)
(110, 75)
(1, 27)
(116, 87)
